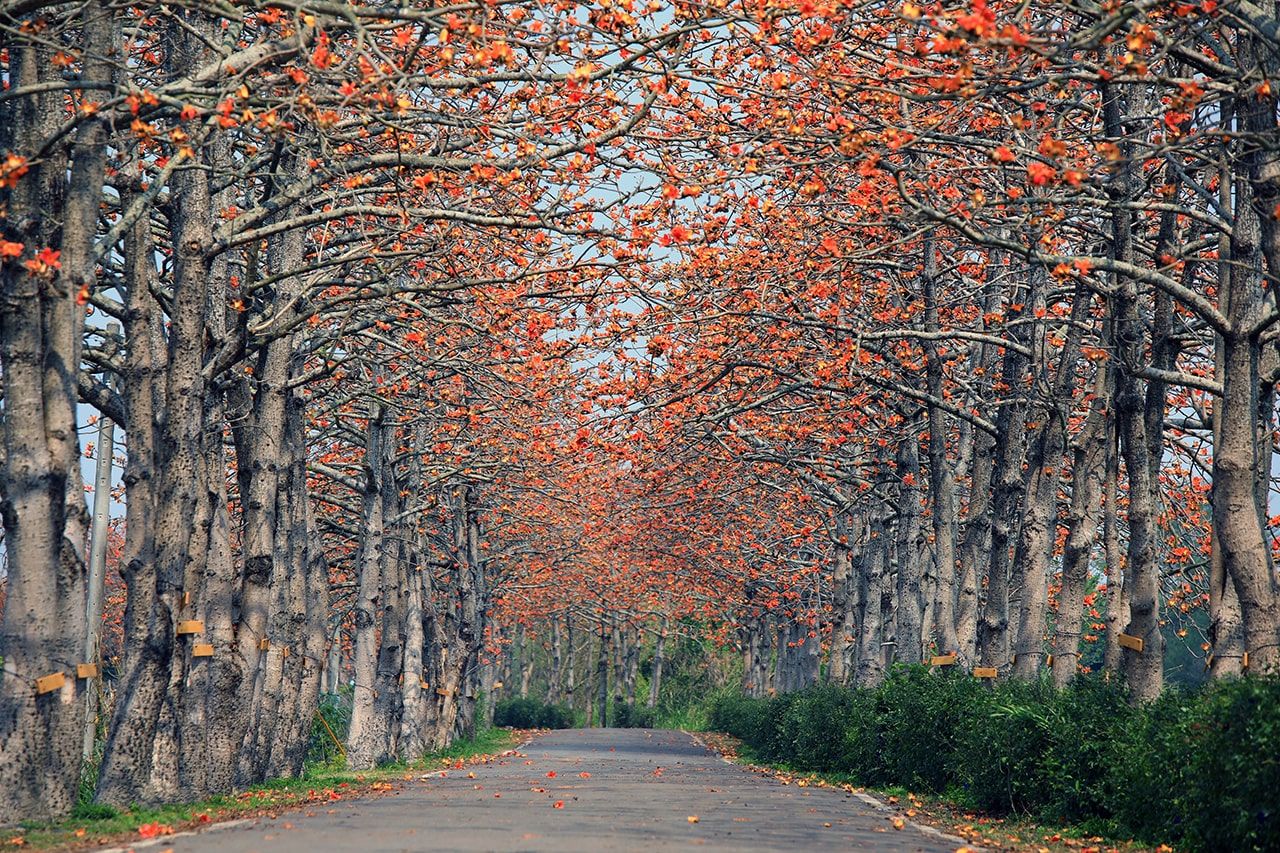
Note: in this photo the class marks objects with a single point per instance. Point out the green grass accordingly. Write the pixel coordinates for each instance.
(692, 718)
(93, 824)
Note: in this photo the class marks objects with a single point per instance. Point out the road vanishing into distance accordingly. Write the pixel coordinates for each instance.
(584, 790)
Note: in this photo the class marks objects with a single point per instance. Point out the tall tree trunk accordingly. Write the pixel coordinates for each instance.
(909, 628)
(1088, 473)
(1117, 584)
(555, 679)
(142, 753)
(1143, 669)
(602, 679)
(571, 662)
(942, 483)
(1034, 551)
(364, 738)
(1007, 493)
(976, 541)
(659, 658)
(870, 649)
(54, 206)
(1255, 235)
(843, 597)
(413, 734)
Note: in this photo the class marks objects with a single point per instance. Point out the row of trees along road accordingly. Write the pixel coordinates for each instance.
(840, 333)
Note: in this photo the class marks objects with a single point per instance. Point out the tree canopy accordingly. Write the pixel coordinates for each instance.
(841, 333)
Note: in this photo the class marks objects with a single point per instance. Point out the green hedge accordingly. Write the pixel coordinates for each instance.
(1199, 769)
(529, 714)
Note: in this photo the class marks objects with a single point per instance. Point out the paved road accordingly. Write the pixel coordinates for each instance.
(619, 790)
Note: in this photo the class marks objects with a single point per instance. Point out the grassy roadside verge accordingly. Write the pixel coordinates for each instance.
(319, 789)
(980, 831)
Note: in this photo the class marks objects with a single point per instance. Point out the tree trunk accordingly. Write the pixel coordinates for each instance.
(1239, 525)
(1088, 474)
(1144, 669)
(843, 597)
(555, 679)
(909, 628)
(142, 754)
(602, 680)
(871, 652)
(942, 483)
(54, 206)
(1034, 551)
(1117, 584)
(364, 739)
(659, 657)
(413, 734)
(1007, 493)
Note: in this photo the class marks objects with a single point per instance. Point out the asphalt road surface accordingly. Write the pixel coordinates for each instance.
(584, 790)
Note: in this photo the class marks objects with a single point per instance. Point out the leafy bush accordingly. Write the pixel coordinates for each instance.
(632, 717)
(919, 718)
(1196, 769)
(737, 715)
(531, 714)
(1230, 752)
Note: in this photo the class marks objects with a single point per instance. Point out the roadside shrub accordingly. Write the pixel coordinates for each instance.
(531, 714)
(920, 716)
(736, 715)
(833, 712)
(1230, 798)
(1091, 727)
(1153, 760)
(632, 717)
(1001, 751)
(555, 717)
(1200, 770)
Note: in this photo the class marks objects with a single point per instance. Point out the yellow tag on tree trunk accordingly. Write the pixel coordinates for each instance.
(1130, 642)
(50, 683)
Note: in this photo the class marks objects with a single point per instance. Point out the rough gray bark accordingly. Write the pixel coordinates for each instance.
(55, 206)
(1088, 472)
(461, 617)
(975, 542)
(631, 666)
(1117, 585)
(1034, 550)
(602, 679)
(387, 704)
(555, 679)
(909, 625)
(1238, 523)
(871, 651)
(843, 599)
(1008, 488)
(142, 754)
(756, 656)
(413, 735)
(364, 738)
(659, 658)
(1144, 670)
(571, 661)
(942, 483)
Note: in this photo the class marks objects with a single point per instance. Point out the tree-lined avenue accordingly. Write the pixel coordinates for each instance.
(624, 790)
(571, 345)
